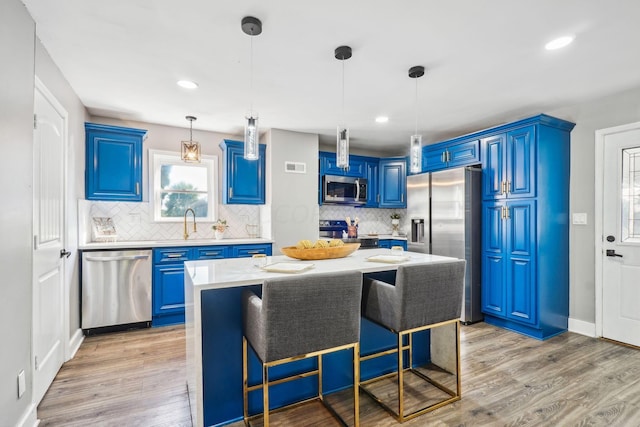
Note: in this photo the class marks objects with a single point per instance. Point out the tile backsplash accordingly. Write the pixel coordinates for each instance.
(134, 221)
(372, 221)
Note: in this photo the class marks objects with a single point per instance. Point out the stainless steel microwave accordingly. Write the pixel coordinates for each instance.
(344, 190)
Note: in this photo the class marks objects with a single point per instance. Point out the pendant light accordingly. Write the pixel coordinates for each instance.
(415, 142)
(190, 151)
(251, 26)
(342, 53)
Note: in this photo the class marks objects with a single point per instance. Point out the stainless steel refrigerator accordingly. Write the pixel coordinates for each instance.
(444, 209)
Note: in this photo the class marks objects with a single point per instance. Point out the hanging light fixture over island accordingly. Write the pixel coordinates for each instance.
(253, 27)
(342, 53)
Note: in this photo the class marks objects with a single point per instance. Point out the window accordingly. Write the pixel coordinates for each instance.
(631, 194)
(178, 186)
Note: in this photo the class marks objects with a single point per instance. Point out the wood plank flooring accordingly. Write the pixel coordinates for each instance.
(137, 378)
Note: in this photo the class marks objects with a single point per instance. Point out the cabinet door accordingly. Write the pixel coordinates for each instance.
(113, 168)
(210, 252)
(520, 162)
(464, 153)
(356, 166)
(244, 251)
(433, 158)
(521, 290)
(393, 183)
(493, 259)
(493, 149)
(384, 243)
(243, 180)
(168, 294)
(373, 193)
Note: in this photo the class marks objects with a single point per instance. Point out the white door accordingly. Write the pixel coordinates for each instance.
(621, 236)
(48, 240)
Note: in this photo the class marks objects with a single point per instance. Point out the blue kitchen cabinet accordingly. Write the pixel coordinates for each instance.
(450, 154)
(243, 181)
(168, 285)
(508, 257)
(388, 243)
(243, 251)
(525, 225)
(328, 165)
(392, 182)
(113, 163)
(168, 275)
(509, 164)
(373, 193)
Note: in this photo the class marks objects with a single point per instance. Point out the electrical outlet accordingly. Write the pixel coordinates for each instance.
(580, 218)
(22, 384)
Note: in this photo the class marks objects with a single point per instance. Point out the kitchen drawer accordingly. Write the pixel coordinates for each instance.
(211, 252)
(242, 251)
(167, 255)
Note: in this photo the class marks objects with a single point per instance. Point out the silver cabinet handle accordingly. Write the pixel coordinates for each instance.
(174, 256)
(211, 253)
(137, 188)
(116, 258)
(254, 252)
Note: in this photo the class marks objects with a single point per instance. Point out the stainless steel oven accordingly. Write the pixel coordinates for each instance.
(345, 190)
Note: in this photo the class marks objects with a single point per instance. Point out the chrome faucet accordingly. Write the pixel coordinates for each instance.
(186, 233)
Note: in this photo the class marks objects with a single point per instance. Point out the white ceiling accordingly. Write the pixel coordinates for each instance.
(485, 61)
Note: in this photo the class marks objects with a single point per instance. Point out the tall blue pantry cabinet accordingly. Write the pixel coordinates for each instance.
(525, 243)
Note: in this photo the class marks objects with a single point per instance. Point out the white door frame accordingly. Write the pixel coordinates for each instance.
(39, 85)
(601, 135)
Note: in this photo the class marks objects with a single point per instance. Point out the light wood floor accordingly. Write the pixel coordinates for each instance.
(137, 379)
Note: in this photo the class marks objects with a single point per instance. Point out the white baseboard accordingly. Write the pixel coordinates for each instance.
(29, 418)
(75, 342)
(583, 328)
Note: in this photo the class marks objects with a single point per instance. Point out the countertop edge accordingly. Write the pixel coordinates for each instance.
(130, 244)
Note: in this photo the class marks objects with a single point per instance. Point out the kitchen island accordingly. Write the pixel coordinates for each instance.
(213, 290)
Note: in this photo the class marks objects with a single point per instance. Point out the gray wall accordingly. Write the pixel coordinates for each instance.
(17, 38)
(292, 198)
(589, 116)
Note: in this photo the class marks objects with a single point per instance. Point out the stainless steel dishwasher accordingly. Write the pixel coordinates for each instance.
(116, 289)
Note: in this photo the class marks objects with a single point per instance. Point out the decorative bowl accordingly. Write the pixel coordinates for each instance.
(320, 253)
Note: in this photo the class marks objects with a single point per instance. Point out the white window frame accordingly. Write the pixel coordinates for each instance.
(157, 158)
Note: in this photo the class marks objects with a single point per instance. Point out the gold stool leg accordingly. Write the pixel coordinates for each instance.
(356, 385)
(400, 379)
(245, 379)
(265, 394)
(320, 377)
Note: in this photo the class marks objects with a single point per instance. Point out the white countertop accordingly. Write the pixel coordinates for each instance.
(233, 272)
(383, 236)
(170, 243)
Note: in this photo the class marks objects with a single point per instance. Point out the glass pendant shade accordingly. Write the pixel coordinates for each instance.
(342, 147)
(415, 155)
(251, 138)
(190, 152)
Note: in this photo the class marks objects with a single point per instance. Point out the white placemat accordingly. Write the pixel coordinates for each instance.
(389, 259)
(287, 267)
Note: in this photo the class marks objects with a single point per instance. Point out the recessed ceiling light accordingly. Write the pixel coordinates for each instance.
(187, 84)
(382, 119)
(559, 43)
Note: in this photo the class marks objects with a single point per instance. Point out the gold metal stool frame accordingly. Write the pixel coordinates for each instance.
(400, 416)
(246, 388)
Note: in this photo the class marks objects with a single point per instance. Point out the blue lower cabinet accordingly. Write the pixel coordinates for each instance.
(388, 243)
(168, 275)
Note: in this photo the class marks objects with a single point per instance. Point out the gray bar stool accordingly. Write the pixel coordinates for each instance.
(425, 296)
(300, 317)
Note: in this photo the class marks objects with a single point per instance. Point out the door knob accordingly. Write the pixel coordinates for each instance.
(611, 239)
(64, 253)
(612, 252)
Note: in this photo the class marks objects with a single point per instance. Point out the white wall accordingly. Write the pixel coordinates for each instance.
(17, 39)
(608, 111)
(292, 198)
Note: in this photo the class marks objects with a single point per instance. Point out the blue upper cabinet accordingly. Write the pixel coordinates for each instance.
(113, 168)
(509, 164)
(373, 192)
(243, 181)
(450, 154)
(357, 167)
(392, 183)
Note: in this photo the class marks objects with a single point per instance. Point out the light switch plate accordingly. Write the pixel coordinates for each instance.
(580, 218)
(22, 384)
